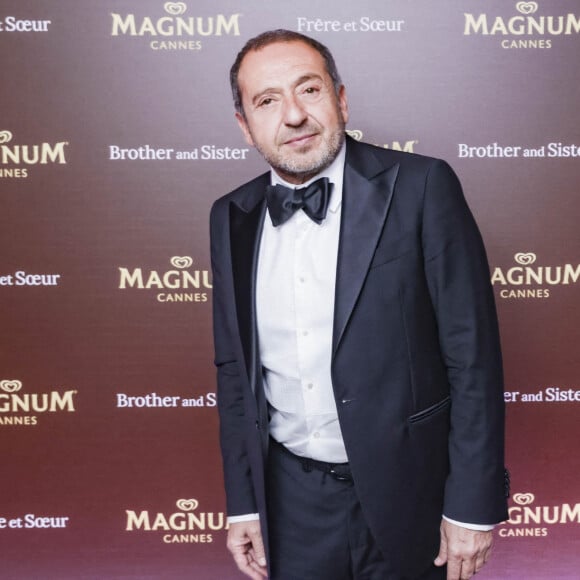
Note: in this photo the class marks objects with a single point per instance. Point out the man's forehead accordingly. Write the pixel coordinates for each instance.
(279, 55)
(279, 64)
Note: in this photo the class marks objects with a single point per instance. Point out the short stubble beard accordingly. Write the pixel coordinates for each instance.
(293, 168)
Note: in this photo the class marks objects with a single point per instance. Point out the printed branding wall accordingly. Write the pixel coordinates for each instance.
(116, 135)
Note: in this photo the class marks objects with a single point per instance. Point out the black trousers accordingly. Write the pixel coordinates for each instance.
(317, 530)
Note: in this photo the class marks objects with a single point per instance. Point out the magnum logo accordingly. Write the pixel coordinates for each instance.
(407, 146)
(182, 30)
(528, 520)
(526, 280)
(18, 408)
(184, 526)
(16, 159)
(538, 29)
(175, 280)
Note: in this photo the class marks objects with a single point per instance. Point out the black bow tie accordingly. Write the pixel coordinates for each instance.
(284, 201)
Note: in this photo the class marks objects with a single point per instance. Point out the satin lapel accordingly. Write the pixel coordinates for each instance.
(365, 206)
(246, 222)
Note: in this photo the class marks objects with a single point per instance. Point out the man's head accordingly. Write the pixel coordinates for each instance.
(290, 103)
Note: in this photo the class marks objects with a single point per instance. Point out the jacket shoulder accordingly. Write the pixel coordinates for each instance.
(405, 159)
(239, 194)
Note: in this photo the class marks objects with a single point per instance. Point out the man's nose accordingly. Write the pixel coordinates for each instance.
(294, 112)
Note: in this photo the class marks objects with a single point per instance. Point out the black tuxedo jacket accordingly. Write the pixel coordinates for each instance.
(416, 367)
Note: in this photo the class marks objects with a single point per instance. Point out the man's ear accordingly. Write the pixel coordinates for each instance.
(343, 103)
(243, 124)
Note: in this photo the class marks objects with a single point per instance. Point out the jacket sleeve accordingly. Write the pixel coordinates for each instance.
(459, 284)
(231, 380)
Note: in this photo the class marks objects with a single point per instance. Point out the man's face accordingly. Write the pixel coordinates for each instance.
(292, 114)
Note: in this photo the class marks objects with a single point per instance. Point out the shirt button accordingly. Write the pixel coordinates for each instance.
(304, 333)
(316, 435)
(302, 279)
(310, 386)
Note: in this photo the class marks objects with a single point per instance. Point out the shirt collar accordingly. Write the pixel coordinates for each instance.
(334, 172)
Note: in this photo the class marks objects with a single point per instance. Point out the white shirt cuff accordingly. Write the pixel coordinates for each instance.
(243, 518)
(475, 527)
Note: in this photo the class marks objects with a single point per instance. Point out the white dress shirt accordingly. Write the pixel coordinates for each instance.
(295, 310)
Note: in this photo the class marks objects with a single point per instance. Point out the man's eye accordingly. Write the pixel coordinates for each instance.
(311, 90)
(265, 102)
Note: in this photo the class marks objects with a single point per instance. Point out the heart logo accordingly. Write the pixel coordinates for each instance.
(10, 386)
(5, 136)
(175, 8)
(187, 505)
(525, 259)
(527, 7)
(524, 498)
(355, 134)
(181, 261)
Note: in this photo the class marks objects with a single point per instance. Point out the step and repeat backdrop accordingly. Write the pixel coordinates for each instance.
(116, 135)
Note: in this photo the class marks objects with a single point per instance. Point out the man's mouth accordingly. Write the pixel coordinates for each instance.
(300, 140)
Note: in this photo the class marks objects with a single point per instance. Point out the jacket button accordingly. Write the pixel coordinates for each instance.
(257, 424)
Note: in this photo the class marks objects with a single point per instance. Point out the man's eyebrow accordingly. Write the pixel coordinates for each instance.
(306, 78)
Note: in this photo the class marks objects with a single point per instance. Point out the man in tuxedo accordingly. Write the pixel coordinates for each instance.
(359, 368)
